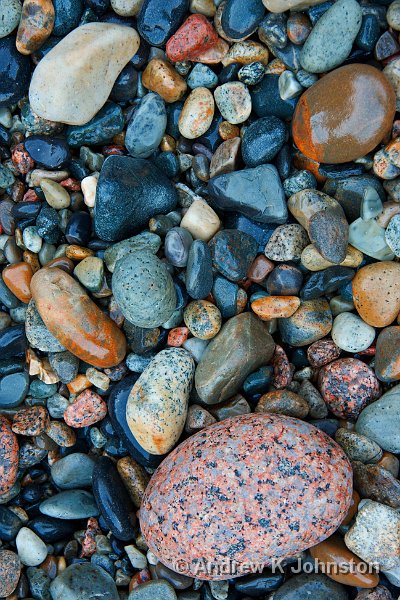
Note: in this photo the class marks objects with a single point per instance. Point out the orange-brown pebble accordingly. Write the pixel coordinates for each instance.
(390, 462)
(298, 27)
(31, 421)
(275, 67)
(167, 144)
(160, 76)
(75, 252)
(177, 336)
(17, 278)
(344, 115)
(88, 408)
(376, 293)
(79, 384)
(75, 320)
(22, 159)
(213, 55)
(283, 402)
(35, 26)
(275, 307)
(260, 268)
(355, 500)
(8, 456)
(300, 161)
(332, 553)
(228, 131)
(61, 262)
(32, 260)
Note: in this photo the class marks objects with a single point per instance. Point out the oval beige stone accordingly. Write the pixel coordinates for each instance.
(73, 81)
(197, 113)
(314, 261)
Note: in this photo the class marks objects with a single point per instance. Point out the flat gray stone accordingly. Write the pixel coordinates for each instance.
(73, 471)
(146, 127)
(380, 421)
(84, 582)
(37, 333)
(162, 590)
(71, 504)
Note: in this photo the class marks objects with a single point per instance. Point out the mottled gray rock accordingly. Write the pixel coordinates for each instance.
(73, 471)
(84, 582)
(146, 127)
(37, 333)
(380, 421)
(71, 504)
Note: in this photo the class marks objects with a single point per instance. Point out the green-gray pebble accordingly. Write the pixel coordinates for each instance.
(84, 582)
(37, 333)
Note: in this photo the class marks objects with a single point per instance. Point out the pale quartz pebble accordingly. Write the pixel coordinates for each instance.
(390, 209)
(278, 6)
(234, 101)
(351, 333)
(339, 305)
(393, 575)
(197, 113)
(392, 235)
(152, 558)
(126, 8)
(31, 549)
(202, 7)
(371, 204)
(90, 58)
(5, 117)
(56, 196)
(314, 261)
(89, 186)
(213, 55)
(201, 221)
(369, 238)
(34, 178)
(393, 15)
(392, 72)
(245, 53)
(137, 558)
(288, 85)
(98, 378)
(31, 238)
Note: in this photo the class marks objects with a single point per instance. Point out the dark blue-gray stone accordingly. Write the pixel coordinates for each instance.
(48, 152)
(225, 295)
(311, 585)
(369, 33)
(257, 193)
(7, 297)
(13, 389)
(232, 253)
(266, 99)
(83, 581)
(15, 72)
(159, 19)
(202, 76)
(325, 282)
(262, 140)
(101, 129)
(129, 192)
(67, 16)
(146, 127)
(240, 19)
(199, 275)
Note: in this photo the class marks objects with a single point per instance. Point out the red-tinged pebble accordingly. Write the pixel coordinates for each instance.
(142, 577)
(8, 456)
(22, 159)
(89, 539)
(61, 434)
(266, 485)
(347, 386)
(113, 149)
(10, 570)
(17, 278)
(283, 370)
(194, 36)
(75, 320)
(322, 352)
(30, 196)
(177, 336)
(88, 408)
(71, 184)
(31, 421)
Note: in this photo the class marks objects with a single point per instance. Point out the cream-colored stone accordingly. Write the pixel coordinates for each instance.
(197, 113)
(201, 221)
(314, 261)
(278, 6)
(56, 196)
(127, 8)
(73, 81)
(89, 186)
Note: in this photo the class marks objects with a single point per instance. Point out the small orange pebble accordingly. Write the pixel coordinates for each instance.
(167, 144)
(355, 500)
(160, 76)
(71, 184)
(75, 252)
(275, 307)
(88, 408)
(17, 278)
(89, 540)
(79, 384)
(32, 260)
(22, 159)
(177, 336)
(228, 131)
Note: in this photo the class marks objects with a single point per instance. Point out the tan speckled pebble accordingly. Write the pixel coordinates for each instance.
(197, 113)
(157, 404)
(79, 94)
(126, 8)
(201, 221)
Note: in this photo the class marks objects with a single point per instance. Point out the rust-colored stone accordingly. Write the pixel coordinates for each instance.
(344, 115)
(376, 293)
(275, 307)
(75, 320)
(31, 421)
(260, 268)
(195, 35)
(88, 408)
(387, 359)
(17, 278)
(160, 76)
(283, 402)
(332, 553)
(8, 456)
(22, 159)
(35, 26)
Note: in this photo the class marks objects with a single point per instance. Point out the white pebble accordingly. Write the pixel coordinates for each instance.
(351, 333)
(89, 185)
(138, 560)
(32, 239)
(31, 549)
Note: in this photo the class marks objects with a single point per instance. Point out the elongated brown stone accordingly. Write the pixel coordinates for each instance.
(37, 21)
(344, 115)
(75, 320)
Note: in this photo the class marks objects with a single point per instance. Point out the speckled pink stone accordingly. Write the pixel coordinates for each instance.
(248, 489)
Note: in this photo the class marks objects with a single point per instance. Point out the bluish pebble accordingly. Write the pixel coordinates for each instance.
(225, 294)
(267, 101)
(239, 20)
(67, 16)
(78, 228)
(108, 122)
(146, 127)
(232, 253)
(202, 76)
(159, 19)
(48, 152)
(302, 180)
(15, 72)
(125, 86)
(262, 140)
(39, 389)
(199, 275)
(369, 33)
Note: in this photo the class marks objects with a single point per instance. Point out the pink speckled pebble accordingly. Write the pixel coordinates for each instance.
(249, 489)
(347, 386)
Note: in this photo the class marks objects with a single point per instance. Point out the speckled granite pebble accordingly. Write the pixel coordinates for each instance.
(10, 569)
(8, 456)
(157, 404)
(143, 289)
(262, 460)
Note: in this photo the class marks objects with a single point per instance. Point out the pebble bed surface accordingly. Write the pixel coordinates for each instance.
(199, 299)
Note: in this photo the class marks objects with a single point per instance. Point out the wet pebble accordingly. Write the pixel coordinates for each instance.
(73, 471)
(351, 334)
(31, 549)
(203, 319)
(69, 505)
